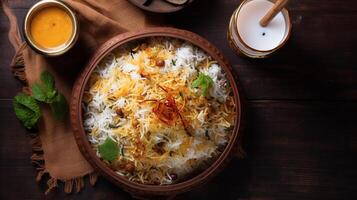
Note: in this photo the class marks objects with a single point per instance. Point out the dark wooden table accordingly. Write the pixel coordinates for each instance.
(301, 135)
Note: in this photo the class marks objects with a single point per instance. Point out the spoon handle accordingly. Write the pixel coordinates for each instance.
(278, 6)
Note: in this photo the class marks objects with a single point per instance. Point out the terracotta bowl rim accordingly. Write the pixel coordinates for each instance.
(90, 154)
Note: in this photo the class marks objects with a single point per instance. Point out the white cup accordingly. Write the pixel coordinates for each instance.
(247, 37)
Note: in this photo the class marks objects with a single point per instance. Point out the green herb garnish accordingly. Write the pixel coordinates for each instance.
(27, 110)
(45, 92)
(59, 107)
(109, 150)
(173, 62)
(204, 82)
(48, 81)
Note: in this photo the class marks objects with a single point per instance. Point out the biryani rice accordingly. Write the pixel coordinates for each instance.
(127, 91)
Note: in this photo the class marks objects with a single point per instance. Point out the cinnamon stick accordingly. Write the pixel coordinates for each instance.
(278, 6)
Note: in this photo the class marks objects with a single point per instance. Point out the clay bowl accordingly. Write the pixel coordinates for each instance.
(136, 189)
(160, 6)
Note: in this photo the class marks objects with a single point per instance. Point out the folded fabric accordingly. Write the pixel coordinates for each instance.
(54, 148)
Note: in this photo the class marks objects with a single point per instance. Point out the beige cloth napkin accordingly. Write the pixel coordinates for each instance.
(54, 148)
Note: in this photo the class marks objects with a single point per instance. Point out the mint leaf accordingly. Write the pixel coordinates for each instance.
(48, 81)
(26, 110)
(204, 82)
(59, 107)
(38, 93)
(51, 95)
(45, 92)
(109, 150)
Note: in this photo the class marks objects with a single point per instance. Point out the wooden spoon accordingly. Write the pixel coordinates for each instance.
(278, 6)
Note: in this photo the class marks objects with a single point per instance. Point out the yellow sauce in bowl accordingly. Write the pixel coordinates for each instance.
(51, 27)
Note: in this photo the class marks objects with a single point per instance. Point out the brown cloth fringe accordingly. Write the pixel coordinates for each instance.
(54, 151)
(69, 185)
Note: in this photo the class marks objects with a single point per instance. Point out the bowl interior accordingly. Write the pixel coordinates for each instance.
(90, 154)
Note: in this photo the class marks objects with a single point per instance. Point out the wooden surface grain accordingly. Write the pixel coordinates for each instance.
(301, 135)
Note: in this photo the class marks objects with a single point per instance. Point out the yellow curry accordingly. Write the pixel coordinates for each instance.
(51, 27)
